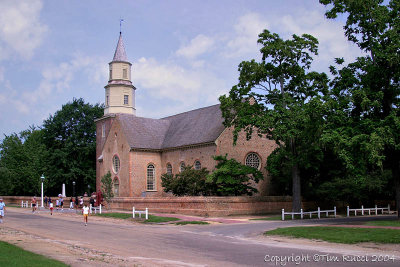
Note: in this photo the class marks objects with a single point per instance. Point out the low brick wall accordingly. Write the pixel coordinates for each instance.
(16, 200)
(208, 206)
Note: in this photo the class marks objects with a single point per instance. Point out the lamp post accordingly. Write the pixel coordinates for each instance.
(73, 190)
(42, 178)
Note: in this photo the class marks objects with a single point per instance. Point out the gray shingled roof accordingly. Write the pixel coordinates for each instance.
(120, 54)
(189, 128)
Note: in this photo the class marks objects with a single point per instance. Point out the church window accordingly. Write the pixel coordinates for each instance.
(126, 97)
(182, 166)
(253, 160)
(110, 73)
(116, 187)
(124, 73)
(169, 169)
(108, 101)
(116, 164)
(103, 130)
(151, 177)
(197, 165)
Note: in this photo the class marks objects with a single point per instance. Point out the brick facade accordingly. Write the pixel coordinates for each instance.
(132, 176)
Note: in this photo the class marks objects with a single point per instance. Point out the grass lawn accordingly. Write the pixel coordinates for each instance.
(340, 234)
(384, 223)
(191, 222)
(152, 218)
(11, 255)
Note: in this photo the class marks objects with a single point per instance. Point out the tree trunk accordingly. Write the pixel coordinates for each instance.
(296, 189)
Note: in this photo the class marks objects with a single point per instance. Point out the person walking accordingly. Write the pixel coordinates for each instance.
(51, 208)
(71, 203)
(76, 202)
(34, 204)
(49, 201)
(2, 209)
(45, 201)
(85, 211)
(61, 203)
(91, 201)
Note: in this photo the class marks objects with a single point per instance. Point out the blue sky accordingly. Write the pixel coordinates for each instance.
(184, 53)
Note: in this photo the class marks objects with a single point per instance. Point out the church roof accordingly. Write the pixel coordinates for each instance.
(198, 126)
(120, 54)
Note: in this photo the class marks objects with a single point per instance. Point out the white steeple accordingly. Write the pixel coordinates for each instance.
(119, 92)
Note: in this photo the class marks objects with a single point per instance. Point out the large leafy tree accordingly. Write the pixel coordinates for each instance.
(22, 160)
(281, 99)
(368, 89)
(70, 137)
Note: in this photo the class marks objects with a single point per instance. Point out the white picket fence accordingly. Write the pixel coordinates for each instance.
(95, 209)
(369, 210)
(140, 212)
(24, 204)
(310, 213)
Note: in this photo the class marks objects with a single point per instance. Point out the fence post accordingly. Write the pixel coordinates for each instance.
(301, 214)
(22, 204)
(90, 208)
(348, 211)
(362, 210)
(292, 215)
(283, 214)
(319, 213)
(334, 211)
(147, 213)
(376, 209)
(133, 212)
(100, 208)
(388, 209)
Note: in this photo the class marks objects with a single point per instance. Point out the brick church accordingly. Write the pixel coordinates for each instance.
(137, 150)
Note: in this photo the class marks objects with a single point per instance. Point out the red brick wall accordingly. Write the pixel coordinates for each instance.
(262, 146)
(209, 206)
(116, 144)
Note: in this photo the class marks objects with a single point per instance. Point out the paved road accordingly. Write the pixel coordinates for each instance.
(197, 245)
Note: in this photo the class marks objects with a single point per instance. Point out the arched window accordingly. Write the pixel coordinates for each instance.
(169, 169)
(116, 187)
(253, 160)
(116, 164)
(197, 165)
(151, 177)
(182, 166)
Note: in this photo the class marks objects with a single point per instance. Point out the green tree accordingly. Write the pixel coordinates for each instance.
(189, 182)
(279, 98)
(22, 160)
(369, 88)
(107, 188)
(70, 137)
(231, 178)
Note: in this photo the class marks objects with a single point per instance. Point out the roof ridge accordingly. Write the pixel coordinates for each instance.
(189, 111)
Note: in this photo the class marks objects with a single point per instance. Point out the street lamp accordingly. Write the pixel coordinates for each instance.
(42, 178)
(73, 186)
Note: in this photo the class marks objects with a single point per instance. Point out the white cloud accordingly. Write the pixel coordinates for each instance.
(169, 81)
(246, 33)
(332, 42)
(197, 46)
(20, 28)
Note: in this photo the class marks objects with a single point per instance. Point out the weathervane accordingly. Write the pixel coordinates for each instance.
(120, 25)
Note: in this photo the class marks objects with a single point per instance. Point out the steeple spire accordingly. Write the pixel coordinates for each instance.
(120, 54)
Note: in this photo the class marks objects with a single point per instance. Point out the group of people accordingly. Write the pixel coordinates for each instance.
(79, 203)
